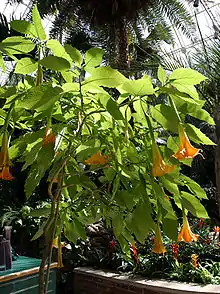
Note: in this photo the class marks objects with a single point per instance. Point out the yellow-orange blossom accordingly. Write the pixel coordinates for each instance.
(186, 150)
(4, 160)
(160, 168)
(158, 243)
(186, 234)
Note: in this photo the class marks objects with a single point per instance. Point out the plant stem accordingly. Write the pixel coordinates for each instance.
(175, 109)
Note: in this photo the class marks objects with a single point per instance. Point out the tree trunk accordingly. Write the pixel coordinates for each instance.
(217, 154)
(119, 55)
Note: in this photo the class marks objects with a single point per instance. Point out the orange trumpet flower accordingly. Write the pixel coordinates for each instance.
(49, 137)
(97, 158)
(4, 160)
(186, 234)
(186, 150)
(160, 168)
(158, 243)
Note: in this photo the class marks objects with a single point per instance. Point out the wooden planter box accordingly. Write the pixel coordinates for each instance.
(91, 281)
(23, 278)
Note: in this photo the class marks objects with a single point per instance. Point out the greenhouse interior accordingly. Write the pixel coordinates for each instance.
(109, 146)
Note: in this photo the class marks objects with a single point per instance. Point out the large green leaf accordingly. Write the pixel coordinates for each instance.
(139, 87)
(165, 116)
(161, 74)
(26, 66)
(39, 232)
(17, 45)
(194, 187)
(58, 49)
(44, 211)
(55, 63)
(24, 27)
(187, 76)
(40, 98)
(170, 225)
(197, 136)
(38, 169)
(38, 24)
(105, 76)
(193, 108)
(188, 89)
(111, 106)
(191, 203)
(117, 224)
(93, 58)
(70, 231)
(74, 54)
(141, 221)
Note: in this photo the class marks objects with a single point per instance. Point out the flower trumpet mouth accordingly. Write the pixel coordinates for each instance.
(186, 235)
(186, 150)
(4, 160)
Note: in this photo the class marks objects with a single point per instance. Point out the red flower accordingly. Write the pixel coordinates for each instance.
(216, 229)
(200, 223)
(175, 250)
(134, 253)
(112, 244)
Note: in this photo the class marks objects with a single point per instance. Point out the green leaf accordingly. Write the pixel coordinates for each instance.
(117, 224)
(192, 204)
(187, 76)
(165, 116)
(74, 54)
(2, 63)
(188, 89)
(40, 98)
(93, 58)
(139, 87)
(26, 66)
(24, 27)
(111, 106)
(55, 63)
(162, 198)
(70, 231)
(38, 169)
(197, 136)
(58, 49)
(161, 75)
(170, 225)
(193, 108)
(39, 232)
(38, 24)
(141, 221)
(194, 187)
(17, 45)
(45, 211)
(80, 229)
(170, 186)
(105, 76)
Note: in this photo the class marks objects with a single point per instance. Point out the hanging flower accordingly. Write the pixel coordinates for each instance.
(186, 234)
(158, 243)
(195, 258)
(97, 158)
(59, 246)
(4, 160)
(49, 137)
(175, 250)
(160, 168)
(134, 253)
(186, 150)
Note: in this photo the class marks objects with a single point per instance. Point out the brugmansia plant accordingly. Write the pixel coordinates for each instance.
(99, 151)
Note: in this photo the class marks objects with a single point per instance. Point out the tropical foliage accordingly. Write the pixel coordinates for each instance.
(94, 136)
